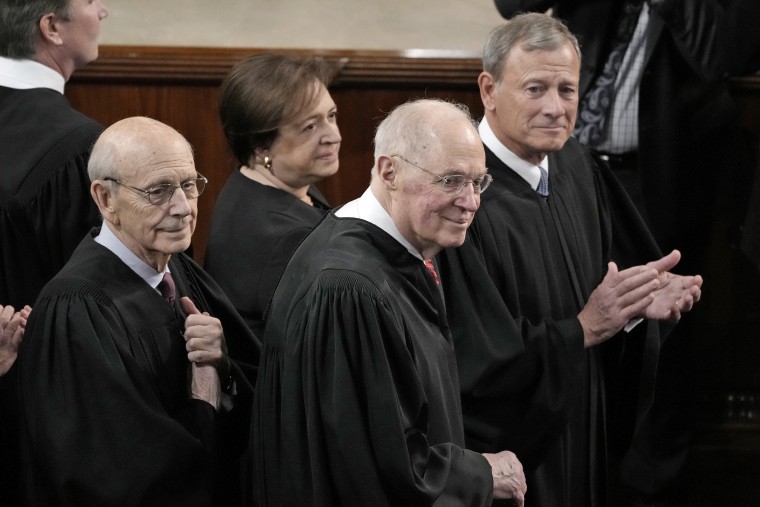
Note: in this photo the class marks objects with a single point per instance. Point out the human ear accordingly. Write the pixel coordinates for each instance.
(103, 198)
(49, 29)
(487, 85)
(386, 171)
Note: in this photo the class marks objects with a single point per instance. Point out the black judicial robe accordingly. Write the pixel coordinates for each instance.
(103, 375)
(357, 401)
(514, 290)
(45, 203)
(254, 231)
(45, 210)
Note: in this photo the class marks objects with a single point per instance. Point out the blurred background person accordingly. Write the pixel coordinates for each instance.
(45, 205)
(281, 124)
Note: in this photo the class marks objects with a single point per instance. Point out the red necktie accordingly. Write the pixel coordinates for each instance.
(431, 268)
(166, 288)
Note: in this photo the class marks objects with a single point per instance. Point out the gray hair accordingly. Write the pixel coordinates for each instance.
(19, 24)
(532, 32)
(102, 162)
(409, 129)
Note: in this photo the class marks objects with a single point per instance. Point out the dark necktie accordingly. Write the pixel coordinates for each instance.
(543, 183)
(167, 289)
(431, 268)
(594, 108)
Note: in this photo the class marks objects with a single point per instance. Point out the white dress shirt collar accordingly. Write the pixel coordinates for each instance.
(109, 240)
(527, 171)
(26, 74)
(369, 209)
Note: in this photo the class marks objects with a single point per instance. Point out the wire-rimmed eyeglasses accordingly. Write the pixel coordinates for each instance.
(161, 193)
(454, 183)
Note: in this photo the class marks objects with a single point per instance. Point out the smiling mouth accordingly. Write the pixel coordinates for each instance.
(174, 229)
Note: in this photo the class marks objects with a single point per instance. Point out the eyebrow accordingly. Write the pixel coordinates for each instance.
(167, 182)
(454, 172)
(316, 116)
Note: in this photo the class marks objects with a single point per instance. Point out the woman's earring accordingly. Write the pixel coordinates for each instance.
(268, 163)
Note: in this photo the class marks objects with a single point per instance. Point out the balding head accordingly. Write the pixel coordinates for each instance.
(132, 162)
(130, 143)
(416, 147)
(416, 127)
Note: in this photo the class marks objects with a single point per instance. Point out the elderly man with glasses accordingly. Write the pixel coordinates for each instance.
(358, 395)
(128, 395)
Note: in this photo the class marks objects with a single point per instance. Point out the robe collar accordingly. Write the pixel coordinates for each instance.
(109, 240)
(26, 74)
(527, 171)
(369, 209)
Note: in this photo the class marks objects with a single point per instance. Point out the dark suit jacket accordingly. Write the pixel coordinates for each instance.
(694, 158)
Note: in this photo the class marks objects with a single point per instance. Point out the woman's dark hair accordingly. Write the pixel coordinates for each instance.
(263, 92)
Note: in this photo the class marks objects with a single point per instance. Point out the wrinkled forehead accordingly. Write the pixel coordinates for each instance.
(145, 159)
(459, 144)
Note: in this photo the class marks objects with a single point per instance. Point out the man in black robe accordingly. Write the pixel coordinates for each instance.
(127, 393)
(358, 395)
(530, 305)
(45, 204)
(656, 102)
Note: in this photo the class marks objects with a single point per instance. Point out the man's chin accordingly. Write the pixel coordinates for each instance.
(554, 143)
(172, 247)
(453, 240)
